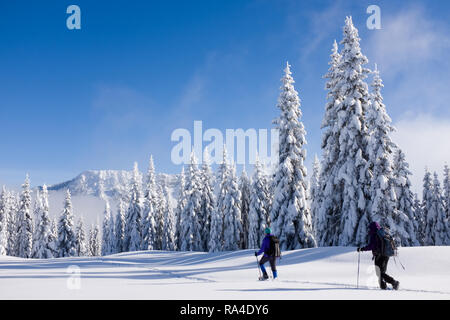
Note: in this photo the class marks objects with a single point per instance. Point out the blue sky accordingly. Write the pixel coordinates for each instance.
(112, 93)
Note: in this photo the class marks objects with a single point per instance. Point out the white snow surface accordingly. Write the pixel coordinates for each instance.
(316, 273)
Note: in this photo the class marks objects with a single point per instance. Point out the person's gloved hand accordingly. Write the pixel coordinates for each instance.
(256, 253)
(359, 249)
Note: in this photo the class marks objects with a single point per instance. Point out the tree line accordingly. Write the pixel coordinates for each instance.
(363, 176)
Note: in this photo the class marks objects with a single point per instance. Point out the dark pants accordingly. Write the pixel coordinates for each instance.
(272, 261)
(381, 263)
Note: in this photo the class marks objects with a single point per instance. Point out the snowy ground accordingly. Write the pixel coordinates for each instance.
(319, 273)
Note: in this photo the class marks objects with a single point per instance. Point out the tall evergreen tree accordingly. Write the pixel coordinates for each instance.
(446, 195)
(25, 222)
(133, 229)
(245, 187)
(290, 216)
(405, 200)
(191, 229)
(181, 203)
(67, 246)
(427, 211)
(382, 198)
(82, 242)
(120, 227)
(108, 236)
(3, 222)
(160, 217)
(168, 241)
(420, 218)
(314, 190)
(208, 201)
(216, 237)
(44, 246)
(95, 245)
(13, 221)
(345, 180)
(327, 202)
(437, 233)
(3, 239)
(232, 223)
(152, 225)
(260, 202)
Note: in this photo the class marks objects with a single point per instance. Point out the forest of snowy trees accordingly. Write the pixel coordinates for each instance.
(362, 176)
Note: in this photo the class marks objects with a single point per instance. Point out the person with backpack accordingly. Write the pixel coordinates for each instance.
(382, 249)
(271, 249)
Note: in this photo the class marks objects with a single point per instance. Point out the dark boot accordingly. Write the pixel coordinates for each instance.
(265, 276)
(395, 285)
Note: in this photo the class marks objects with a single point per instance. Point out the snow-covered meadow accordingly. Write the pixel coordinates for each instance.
(315, 273)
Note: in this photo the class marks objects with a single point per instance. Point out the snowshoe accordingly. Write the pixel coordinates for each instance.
(395, 285)
(264, 277)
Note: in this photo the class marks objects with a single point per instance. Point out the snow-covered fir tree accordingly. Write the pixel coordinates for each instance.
(108, 236)
(208, 201)
(419, 218)
(159, 217)
(82, 241)
(13, 220)
(44, 245)
(216, 237)
(404, 200)
(190, 233)
(437, 233)
(427, 211)
(446, 195)
(36, 211)
(259, 210)
(133, 227)
(314, 191)
(95, 244)
(290, 216)
(245, 188)
(67, 245)
(3, 238)
(345, 180)
(381, 203)
(54, 235)
(326, 202)
(232, 220)
(25, 222)
(3, 222)
(181, 203)
(151, 221)
(168, 238)
(120, 227)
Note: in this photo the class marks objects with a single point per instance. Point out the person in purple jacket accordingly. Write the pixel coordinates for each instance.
(381, 261)
(265, 248)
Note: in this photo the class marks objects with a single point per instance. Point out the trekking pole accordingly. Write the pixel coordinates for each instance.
(395, 260)
(357, 281)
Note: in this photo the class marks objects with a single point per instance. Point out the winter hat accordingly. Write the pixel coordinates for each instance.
(268, 231)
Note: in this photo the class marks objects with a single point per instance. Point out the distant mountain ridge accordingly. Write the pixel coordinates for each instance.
(112, 183)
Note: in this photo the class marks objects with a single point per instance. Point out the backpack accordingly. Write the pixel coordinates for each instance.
(388, 248)
(274, 247)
